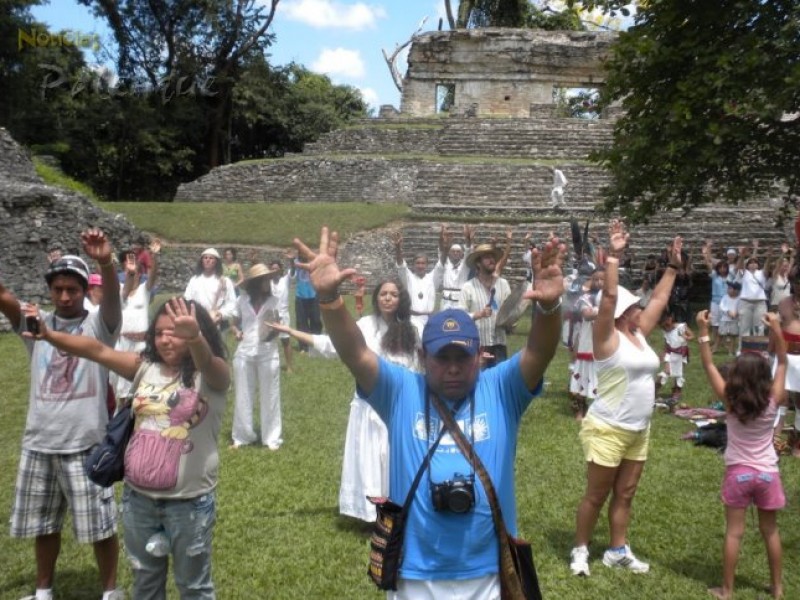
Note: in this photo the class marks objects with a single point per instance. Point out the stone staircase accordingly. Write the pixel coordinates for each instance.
(492, 172)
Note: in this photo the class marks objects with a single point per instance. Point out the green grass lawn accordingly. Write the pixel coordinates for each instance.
(273, 224)
(279, 534)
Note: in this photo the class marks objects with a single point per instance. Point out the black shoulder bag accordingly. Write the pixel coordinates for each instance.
(386, 542)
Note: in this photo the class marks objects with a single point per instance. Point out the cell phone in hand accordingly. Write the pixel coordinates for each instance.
(32, 324)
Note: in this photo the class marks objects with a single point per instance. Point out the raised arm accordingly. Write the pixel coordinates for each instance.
(714, 378)
(501, 264)
(123, 363)
(773, 323)
(545, 331)
(97, 246)
(152, 276)
(604, 337)
(445, 243)
(326, 277)
(705, 251)
(397, 242)
(660, 298)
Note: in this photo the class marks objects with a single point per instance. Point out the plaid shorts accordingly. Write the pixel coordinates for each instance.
(48, 484)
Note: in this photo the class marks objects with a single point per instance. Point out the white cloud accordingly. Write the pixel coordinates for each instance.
(340, 61)
(370, 97)
(330, 13)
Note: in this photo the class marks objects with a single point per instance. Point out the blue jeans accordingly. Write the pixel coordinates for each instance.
(188, 524)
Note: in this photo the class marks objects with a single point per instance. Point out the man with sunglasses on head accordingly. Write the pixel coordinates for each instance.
(450, 547)
(67, 416)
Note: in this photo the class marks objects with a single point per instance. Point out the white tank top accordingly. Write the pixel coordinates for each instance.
(626, 389)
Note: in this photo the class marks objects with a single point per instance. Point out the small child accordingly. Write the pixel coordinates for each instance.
(729, 316)
(752, 397)
(676, 354)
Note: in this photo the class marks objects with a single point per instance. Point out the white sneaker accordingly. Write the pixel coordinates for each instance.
(579, 565)
(625, 560)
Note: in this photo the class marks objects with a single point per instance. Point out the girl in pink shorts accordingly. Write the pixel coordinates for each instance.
(751, 397)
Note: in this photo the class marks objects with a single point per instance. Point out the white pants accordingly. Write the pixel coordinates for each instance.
(750, 314)
(264, 372)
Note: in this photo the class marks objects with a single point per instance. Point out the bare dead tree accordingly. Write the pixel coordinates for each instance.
(449, 11)
(391, 59)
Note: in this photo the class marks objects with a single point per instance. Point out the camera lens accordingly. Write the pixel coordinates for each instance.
(459, 500)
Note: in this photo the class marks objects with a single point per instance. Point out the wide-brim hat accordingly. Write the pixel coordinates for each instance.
(211, 252)
(483, 250)
(257, 271)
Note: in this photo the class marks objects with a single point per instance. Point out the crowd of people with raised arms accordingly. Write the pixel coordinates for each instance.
(431, 341)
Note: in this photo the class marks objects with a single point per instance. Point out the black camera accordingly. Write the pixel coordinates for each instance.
(32, 324)
(456, 495)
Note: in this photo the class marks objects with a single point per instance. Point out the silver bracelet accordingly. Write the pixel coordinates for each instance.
(548, 311)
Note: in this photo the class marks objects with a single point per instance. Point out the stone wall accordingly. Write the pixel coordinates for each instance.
(501, 71)
(35, 218)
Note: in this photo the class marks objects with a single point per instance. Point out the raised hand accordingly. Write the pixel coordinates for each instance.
(468, 232)
(155, 246)
(130, 263)
(617, 237)
(702, 320)
(397, 237)
(184, 320)
(326, 277)
(675, 253)
(548, 279)
(96, 245)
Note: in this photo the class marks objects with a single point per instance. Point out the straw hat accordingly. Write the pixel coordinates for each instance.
(483, 250)
(256, 271)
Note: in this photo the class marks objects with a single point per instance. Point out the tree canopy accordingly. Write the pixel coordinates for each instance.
(168, 110)
(710, 93)
(510, 13)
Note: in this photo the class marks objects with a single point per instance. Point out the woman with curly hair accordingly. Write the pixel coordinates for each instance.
(752, 396)
(389, 333)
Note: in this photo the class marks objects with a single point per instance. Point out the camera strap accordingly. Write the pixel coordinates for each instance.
(425, 462)
(506, 560)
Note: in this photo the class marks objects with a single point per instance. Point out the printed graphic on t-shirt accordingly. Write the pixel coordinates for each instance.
(476, 429)
(64, 377)
(164, 416)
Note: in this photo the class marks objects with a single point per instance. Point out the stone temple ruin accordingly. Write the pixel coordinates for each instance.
(499, 72)
(486, 160)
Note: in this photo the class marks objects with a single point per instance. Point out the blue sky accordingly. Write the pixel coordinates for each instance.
(341, 38)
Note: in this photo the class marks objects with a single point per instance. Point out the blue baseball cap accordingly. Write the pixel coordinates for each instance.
(451, 326)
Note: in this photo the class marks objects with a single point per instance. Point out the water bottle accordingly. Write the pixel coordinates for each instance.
(158, 544)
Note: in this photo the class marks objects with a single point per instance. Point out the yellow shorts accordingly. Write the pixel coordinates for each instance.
(607, 445)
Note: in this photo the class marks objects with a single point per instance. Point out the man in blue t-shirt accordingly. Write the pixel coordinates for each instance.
(448, 545)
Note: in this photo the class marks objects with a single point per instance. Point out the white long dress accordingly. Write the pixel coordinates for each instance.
(365, 464)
